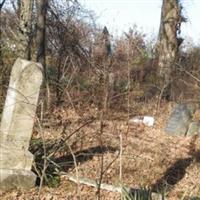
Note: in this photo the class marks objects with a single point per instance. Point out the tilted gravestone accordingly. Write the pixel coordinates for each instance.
(17, 124)
(180, 119)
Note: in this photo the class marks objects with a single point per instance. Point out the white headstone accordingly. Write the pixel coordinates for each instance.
(17, 124)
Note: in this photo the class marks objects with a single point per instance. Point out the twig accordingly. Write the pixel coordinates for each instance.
(80, 127)
(103, 114)
(160, 96)
(181, 68)
(63, 140)
(120, 158)
(36, 170)
(102, 156)
(109, 165)
(44, 157)
(76, 169)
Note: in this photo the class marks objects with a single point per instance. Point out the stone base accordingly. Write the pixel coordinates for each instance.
(11, 158)
(16, 178)
(15, 168)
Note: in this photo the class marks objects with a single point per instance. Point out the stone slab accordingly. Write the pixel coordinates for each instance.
(16, 178)
(194, 128)
(17, 124)
(179, 120)
(21, 103)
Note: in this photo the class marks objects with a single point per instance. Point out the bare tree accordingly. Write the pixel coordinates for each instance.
(1, 6)
(169, 42)
(2, 3)
(41, 40)
(41, 30)
(1, 55)
(25, 28)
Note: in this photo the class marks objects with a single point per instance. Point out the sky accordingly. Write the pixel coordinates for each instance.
(119, 15)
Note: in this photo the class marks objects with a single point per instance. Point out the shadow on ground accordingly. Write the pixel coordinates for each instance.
(63, 160)
(177, 170)
(66, 162)
(172, 175)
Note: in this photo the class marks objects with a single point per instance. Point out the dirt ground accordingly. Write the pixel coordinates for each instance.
(150, 157)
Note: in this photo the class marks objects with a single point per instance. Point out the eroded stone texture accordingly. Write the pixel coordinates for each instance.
(17, 124)
(16, 178)
(179, 120)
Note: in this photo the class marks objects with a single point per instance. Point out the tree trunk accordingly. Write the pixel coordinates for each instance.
(41, 32)
(1, 56)
(25, 28)
(168, 42)
(41, 41)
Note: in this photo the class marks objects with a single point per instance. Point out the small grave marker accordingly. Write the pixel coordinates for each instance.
(179, 120)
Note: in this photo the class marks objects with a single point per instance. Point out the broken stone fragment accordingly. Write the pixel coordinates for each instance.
(146, 120)
(194, 128)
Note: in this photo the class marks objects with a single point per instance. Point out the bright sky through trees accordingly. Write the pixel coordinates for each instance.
(119, 15)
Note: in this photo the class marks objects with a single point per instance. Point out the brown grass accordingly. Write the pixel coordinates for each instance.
(150, 157)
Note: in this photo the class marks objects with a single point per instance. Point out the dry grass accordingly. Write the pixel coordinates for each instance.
(150, 157)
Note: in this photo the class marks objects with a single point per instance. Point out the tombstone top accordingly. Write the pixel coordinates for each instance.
(180, 119)
(21, 102)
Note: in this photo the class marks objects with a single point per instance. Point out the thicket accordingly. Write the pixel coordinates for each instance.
(89, 67)
(79, 68)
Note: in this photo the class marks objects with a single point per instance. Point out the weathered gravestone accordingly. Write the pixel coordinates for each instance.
(180, 119)
(16, 125)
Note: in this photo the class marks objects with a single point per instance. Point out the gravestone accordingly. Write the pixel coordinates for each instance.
(179, 119)
(17, 124)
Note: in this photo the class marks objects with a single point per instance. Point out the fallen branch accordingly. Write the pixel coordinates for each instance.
(90, 182)
(181, 68)
(108, 187)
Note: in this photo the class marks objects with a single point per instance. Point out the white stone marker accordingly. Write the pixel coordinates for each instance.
(17, 124)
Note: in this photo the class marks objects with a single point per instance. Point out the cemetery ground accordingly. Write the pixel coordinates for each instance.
(79, 143)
